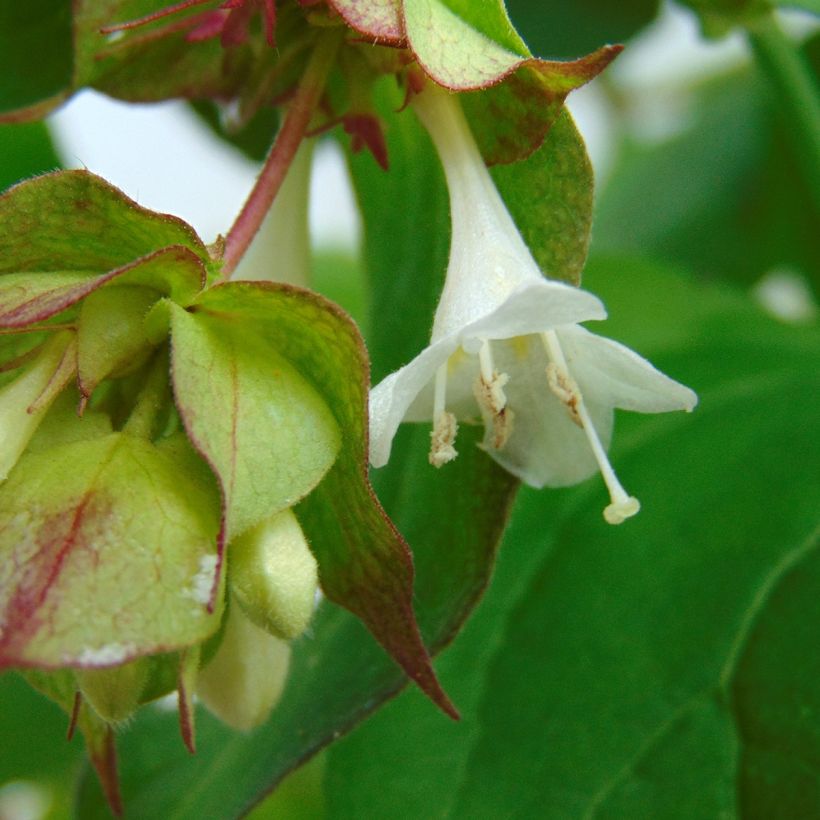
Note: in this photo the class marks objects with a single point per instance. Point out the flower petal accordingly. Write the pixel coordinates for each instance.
(545, 448)
(391, 398)
(615, 376)
(533, 308)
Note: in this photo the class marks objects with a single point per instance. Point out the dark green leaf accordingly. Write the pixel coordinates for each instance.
(155, 61)
(550, 198)
(642, 671)
(560, 30)
(35, 55)
(27, 150)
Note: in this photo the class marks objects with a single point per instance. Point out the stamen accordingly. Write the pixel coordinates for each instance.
(489, 393)
(445, 426)
(623, 505)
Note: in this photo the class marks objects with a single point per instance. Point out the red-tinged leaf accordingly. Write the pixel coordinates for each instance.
(107, 552)
(154, 59)
(265, 430)
(366, 132)
(31, 297)
(364, 564)
(473, 47)
(511, 120)
(102, 751)
(76, 221)
(376, 19)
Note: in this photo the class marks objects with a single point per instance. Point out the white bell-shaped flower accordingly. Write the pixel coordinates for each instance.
(506, 347)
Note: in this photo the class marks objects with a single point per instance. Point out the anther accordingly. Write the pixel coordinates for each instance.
(489, 393)
(443, 436)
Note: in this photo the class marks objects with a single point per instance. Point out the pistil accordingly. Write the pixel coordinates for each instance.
(489, 393)
(565, 388)
(445, 427)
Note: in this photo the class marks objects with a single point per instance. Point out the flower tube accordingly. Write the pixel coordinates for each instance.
(507, 349)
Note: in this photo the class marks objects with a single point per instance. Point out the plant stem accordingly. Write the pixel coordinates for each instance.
(797, 92)
(281, 154)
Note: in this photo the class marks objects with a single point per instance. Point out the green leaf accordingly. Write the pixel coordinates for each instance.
(718, 17)
(32, 297)
(155, 61)
(643, 671)
(27, 150)
(549, 195)
(263, 427)
(33, 732)
(452, 518)
(304, 362)
(565, 30)
(61, 687)
(35, 55)
(812, 6)
(76, 221)
(379, 19)
(463, 45)
(107, 550)
(468, 46)
(110, 334)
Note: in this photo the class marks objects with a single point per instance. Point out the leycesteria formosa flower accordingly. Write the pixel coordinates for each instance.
(506, 346)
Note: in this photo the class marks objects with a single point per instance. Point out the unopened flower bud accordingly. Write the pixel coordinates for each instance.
(273, 576)
(246, 676)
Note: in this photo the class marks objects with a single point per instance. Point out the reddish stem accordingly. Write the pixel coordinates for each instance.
(293, 131)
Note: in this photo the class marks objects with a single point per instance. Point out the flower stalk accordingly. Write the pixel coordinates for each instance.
(282, 152)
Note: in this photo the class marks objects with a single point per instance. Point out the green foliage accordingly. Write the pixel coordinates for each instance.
(663, 669)
(27, 150)
(725, 195)
(71, 508)
(641, 672)
(266, 432)
(556, 29)
(36, 55)
(549, 195)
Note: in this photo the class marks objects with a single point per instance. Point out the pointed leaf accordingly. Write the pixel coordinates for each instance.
(108, 553)
(35, 55)
(468, 46)
(669, 671)
(76, 221)
(60, 686)
(31, 298)
(261, 425)
(364, 563)
(453, 519)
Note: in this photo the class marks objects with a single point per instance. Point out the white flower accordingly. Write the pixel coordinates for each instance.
(506, 347)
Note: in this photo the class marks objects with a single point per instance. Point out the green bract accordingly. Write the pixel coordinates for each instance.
(150, 418)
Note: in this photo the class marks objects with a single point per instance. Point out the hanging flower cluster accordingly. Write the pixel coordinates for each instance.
(507, 347)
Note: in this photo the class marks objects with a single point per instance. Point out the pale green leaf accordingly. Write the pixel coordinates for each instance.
(108, 553)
